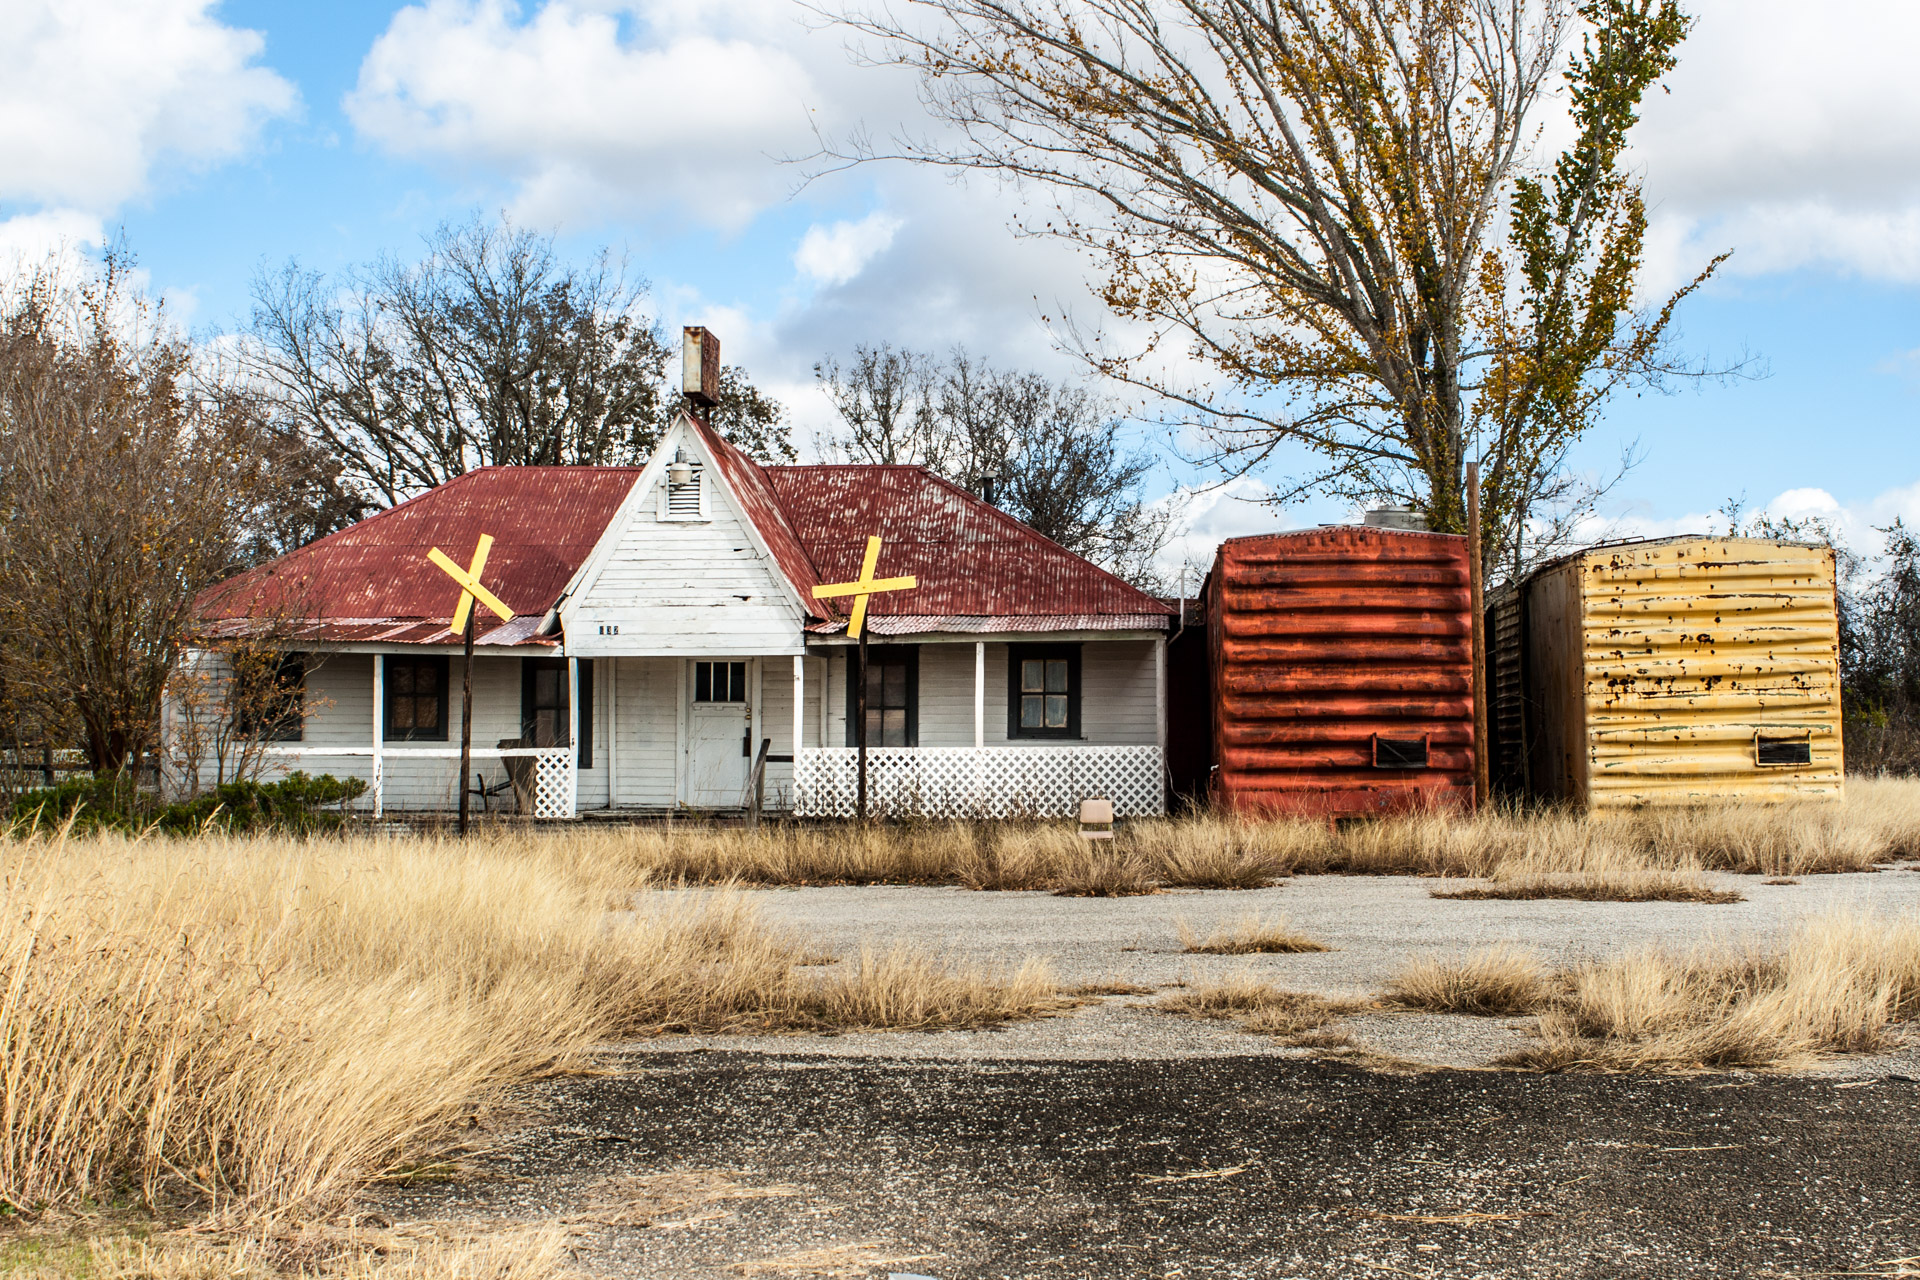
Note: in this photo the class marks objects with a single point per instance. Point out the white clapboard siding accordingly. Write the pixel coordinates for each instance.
(1117, 706)
(682, 588)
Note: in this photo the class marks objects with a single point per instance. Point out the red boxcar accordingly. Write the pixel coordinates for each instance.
(1342, 671)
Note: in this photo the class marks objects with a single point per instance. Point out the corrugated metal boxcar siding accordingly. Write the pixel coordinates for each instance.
(1693, 650)
(1322, 640)
(1507, 693)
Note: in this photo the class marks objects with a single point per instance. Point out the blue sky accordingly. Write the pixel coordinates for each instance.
(222, 137)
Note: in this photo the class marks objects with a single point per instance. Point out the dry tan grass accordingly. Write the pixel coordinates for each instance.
(1878, 821)
(1839, 986)
(1490, 981)
(525, 1253)
(1260, 1006)
(265, 1024)
(1109, 987)
(1636, 885)
(1253, 934)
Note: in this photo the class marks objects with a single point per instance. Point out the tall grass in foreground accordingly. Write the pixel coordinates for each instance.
(262, 1024)
(1651, 854)
(1841, 984)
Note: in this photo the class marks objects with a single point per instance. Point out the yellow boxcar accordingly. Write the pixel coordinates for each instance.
(1671, 671)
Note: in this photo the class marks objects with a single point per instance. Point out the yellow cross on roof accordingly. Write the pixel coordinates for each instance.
(469, 580)
(866, 586)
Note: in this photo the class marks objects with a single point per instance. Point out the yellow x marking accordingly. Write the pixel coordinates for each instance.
(469, 580)
(866, 586)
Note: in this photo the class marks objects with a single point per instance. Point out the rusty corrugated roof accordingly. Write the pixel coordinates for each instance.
(980, 570)
(973, 560)
(372, 582)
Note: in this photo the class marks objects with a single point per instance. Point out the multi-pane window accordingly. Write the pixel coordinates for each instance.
(545, 698)
(887, 704)
(1043, 691)
(893, 707)
(416, 696)
(544, 704)
(719, 682)
(269, 693)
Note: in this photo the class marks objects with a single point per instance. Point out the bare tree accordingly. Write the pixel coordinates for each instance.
(489, 350)
(1327, 205)
(127, 482)
(1053, 455)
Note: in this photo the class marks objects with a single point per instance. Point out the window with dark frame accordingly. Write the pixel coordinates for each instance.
(1399, 753)
(1783, 752)
(416, 698)
(893, 696)
(1043, 691)
(719, 682)
(543, 704)
(269, 704)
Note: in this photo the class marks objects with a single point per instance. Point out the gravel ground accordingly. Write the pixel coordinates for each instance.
(1373, 925)
(1118, 1142)
(716, 1165)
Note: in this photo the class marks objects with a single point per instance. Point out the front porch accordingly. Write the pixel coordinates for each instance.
(663, 734)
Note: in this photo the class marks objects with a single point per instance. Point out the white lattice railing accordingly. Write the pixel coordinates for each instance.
(554, 785)
(991, 782)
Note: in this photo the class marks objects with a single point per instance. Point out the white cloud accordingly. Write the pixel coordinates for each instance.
(97, 94)
(837, 253)
(1792, 135)
(31, 238)
(600, 108)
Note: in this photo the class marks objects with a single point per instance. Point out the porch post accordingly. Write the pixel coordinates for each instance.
(799, 709)
(613, 730)
(379, 727)
(573, 732)
(1160, 697)
(979, 694)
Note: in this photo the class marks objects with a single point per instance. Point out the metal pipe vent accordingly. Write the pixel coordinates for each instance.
(1397, 518)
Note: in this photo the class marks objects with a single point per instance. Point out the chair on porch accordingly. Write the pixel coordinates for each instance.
(518, 778)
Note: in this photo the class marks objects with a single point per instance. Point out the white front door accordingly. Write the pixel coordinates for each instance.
(718, 729)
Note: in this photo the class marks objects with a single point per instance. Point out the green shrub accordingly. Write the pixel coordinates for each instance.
(297, 803)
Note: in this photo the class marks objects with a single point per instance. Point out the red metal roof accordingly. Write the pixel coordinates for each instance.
(368, 580)
(973, 559)
(980, 570)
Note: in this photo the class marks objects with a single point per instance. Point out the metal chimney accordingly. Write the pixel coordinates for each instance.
(700, 366)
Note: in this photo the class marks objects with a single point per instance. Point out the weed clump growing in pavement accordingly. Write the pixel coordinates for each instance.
(1840, 985)
(1255, 934)
(1260, 1006)
(1492, 981)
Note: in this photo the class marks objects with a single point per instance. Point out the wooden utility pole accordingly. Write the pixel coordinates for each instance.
(860, 723)
(1482, 766)
(466, 723)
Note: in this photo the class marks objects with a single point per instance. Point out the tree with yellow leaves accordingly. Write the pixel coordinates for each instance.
(1329, 207)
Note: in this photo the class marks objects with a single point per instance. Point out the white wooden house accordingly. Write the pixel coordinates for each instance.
(665, 628)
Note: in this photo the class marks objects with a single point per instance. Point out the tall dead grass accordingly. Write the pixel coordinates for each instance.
(263, 1024)
(1636, 856)
(1842, 983)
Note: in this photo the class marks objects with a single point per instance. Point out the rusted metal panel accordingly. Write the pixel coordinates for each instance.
(1683, 670)
(972, 559)
(1335, 652)
(373, 579)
